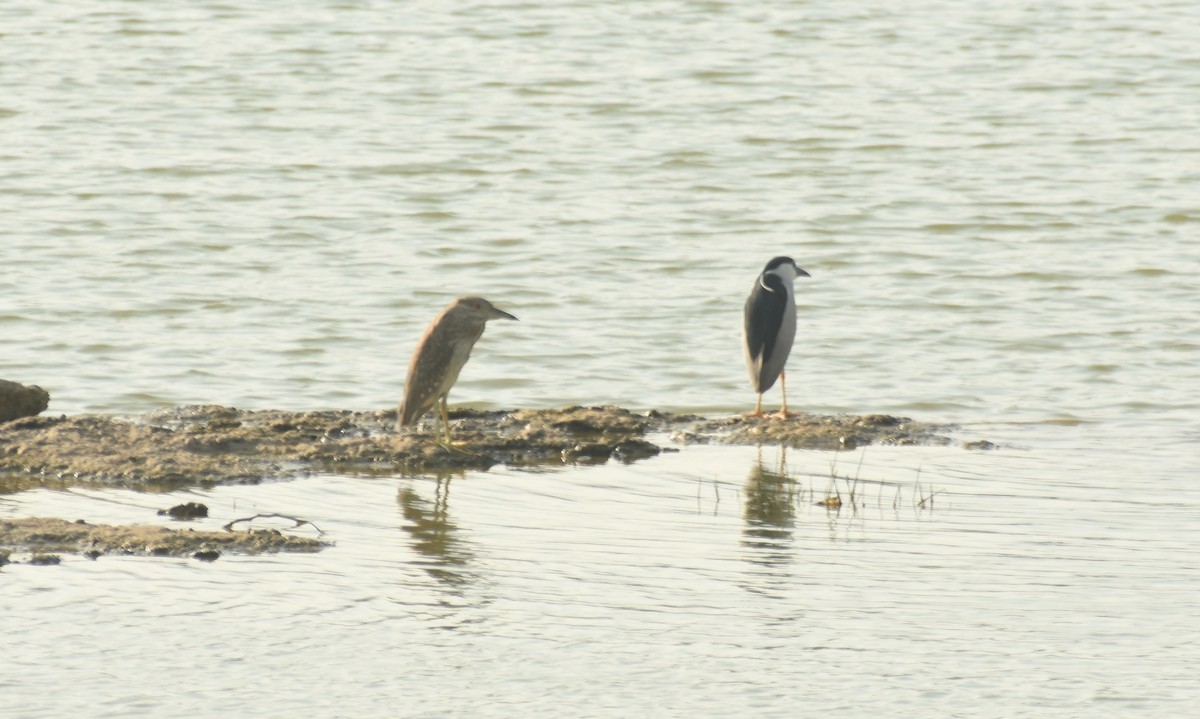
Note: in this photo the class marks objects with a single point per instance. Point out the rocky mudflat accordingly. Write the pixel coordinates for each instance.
(210, 444)
(816, 431)
(43, 538)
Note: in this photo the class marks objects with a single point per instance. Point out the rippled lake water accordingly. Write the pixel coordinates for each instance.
(263, 207)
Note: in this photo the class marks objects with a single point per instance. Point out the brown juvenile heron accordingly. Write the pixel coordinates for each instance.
(770, 327)
(440, 356)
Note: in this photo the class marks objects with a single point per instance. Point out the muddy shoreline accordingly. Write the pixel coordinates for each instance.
(208, 445)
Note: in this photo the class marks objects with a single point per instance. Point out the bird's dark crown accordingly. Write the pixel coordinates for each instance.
(776, 262)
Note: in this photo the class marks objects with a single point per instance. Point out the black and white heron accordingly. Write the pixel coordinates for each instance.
(440, 355)
(770, 327)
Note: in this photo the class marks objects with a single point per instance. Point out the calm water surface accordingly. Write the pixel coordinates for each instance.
(232, 204)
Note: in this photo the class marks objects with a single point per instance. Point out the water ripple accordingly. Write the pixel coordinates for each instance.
(225, 204)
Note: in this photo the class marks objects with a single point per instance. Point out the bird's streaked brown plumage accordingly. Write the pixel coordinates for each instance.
(440, 355)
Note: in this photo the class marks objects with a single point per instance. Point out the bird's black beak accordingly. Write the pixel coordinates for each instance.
(801, 273)
(499, 314)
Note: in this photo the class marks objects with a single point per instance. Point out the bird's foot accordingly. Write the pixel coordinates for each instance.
(452, 446)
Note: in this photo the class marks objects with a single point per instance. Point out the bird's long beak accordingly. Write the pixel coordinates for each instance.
(801, 273)
(499, 314)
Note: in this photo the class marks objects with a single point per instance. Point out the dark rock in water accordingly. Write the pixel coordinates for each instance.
(587, 453)
(18, 400)
(980, 444)
(188, 510)
(631, 450)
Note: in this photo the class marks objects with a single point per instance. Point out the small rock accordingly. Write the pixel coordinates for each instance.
(207, 555)
(982, 444)
(189, 510)
(45, 559)
(18, 400)
(589, 453)
(879, 420)
(631, 450)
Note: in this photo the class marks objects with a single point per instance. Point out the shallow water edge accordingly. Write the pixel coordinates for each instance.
(205, 446)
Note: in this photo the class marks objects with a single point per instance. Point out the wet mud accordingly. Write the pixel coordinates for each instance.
(39, 540)
(815, 431)
(209, 444)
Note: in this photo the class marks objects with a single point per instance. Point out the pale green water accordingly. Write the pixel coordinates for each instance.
(262, 207)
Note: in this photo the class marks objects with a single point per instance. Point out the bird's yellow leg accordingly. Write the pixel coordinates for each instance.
(448, 443)
(444, 412)
(757, 408)
(783, 413)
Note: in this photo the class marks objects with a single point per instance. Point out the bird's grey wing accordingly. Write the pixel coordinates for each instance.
(765, 311)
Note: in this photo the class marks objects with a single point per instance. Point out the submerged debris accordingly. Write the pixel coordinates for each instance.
(209, 444)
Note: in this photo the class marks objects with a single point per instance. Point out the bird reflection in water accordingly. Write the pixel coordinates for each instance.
(770, 511)
(444, 555)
